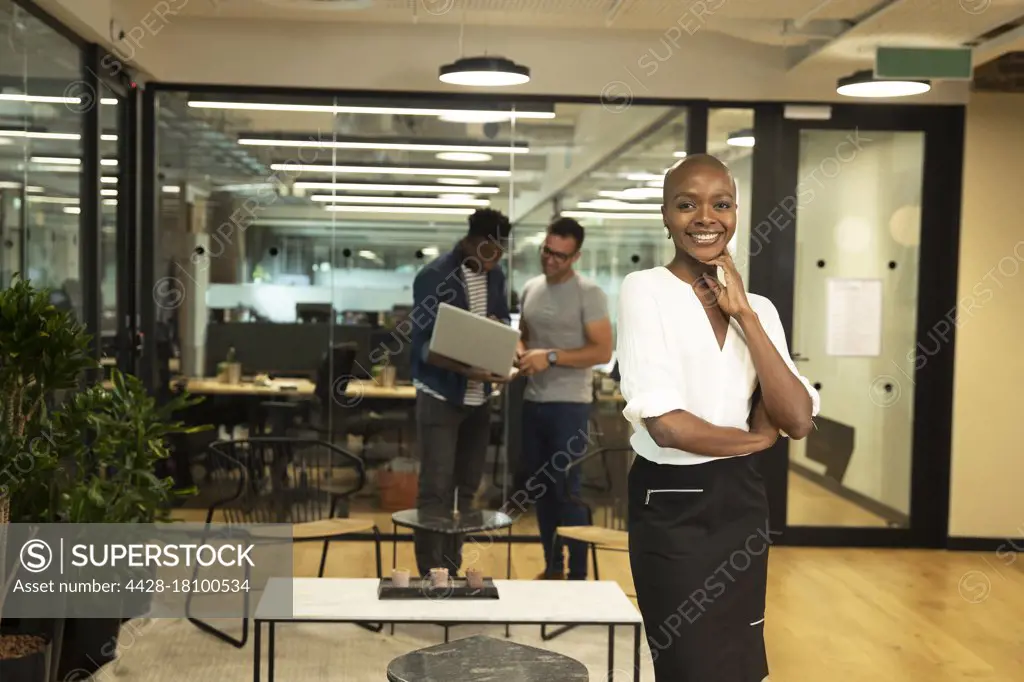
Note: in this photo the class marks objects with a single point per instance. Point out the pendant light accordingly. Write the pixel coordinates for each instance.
(485, 71)
(865, 84)
(741, 138)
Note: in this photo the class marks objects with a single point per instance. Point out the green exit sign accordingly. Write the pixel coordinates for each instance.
(920, 63)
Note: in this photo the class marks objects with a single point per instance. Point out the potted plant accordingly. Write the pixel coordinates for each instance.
(43, 350)
(112, 441)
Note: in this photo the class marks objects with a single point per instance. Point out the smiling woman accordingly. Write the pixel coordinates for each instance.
(708, 382)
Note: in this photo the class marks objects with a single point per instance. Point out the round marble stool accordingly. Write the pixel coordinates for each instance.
(485, 658)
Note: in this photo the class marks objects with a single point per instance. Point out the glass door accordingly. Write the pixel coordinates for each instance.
(867, 208)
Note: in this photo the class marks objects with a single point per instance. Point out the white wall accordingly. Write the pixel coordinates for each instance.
(988, 458)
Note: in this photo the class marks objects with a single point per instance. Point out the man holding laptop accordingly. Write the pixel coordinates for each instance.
(565, 332)
(453, 419)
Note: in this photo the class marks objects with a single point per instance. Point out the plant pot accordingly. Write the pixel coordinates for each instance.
(89, 644)
(24, 657)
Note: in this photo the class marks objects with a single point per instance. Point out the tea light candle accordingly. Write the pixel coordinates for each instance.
(475, 578)
(400, 577)
(439, 577)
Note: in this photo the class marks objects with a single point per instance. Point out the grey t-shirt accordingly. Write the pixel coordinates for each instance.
(554, 316)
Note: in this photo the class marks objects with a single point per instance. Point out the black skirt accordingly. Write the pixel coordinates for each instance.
(698, 548)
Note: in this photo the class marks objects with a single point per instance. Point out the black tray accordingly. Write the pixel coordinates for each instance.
(420, 588)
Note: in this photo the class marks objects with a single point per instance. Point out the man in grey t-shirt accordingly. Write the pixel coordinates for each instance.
(565, 332)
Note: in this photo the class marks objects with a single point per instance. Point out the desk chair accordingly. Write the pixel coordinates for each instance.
(340, 417)
(610, 536)
(284, 481)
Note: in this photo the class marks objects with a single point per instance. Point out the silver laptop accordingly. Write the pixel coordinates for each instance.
(474, 340)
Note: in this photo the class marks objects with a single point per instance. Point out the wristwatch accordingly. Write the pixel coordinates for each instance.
(552, 357)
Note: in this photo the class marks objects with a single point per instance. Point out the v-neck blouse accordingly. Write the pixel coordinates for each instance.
(669, 359)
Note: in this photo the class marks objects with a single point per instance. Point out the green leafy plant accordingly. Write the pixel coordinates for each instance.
(114, 440)
(42, 350)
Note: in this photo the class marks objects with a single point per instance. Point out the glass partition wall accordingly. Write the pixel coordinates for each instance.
(291, 227)
(41, 126)
(290, 230)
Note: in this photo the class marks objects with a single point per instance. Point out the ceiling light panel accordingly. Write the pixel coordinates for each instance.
(387, 187)
(389, 170)
(384, 146)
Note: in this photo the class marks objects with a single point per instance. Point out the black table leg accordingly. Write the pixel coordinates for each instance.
(270, 654)
(508, 574)
(394, 555)
(611, 652)
(636, 653)
(256, 651)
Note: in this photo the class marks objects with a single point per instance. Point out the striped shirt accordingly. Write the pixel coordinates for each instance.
(476, 292)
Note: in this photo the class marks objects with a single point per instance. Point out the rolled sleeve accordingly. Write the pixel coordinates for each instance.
(647, 380)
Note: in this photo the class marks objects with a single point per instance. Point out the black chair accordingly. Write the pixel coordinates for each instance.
(340, 417)
(276, 480)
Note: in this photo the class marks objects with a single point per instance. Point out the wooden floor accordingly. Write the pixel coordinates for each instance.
(848, 615)
(810, 504)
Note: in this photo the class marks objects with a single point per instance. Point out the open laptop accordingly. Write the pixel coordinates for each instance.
(474, 340)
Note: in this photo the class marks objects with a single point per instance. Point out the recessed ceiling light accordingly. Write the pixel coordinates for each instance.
(612, 216)
(108, 180)
(53, 200)
(864, 84)
(171, 189)
(679, 155)
(617, 205)
(459, 181)
(467, 186)
(385, 146)
(476, 117)
(644, 177)
(439, 210)
(387, 170)
(34, 135)
(484, 72)
(348, 109)
(633, 193)
(68, 161)
(741, 138)
(426, 201)
(467, 157)
(74, 210)
(48, 99)
(108, 192)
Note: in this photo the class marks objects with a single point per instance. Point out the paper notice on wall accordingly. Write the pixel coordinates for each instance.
(854, 312)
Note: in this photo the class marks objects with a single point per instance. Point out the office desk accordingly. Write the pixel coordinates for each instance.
(298, 387)
(303, 388)
(369, 390)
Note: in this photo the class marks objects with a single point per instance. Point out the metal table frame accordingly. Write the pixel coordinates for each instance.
(258, 642)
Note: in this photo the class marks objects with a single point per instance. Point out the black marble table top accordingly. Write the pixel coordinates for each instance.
(469, 522)
(485, 659)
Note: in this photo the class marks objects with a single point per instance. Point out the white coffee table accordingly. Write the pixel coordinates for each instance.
(520, 602)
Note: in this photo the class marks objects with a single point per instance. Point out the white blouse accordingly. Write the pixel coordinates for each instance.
(669, 360)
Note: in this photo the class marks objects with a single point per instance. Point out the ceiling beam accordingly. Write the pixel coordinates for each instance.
(601, 133)
(1011, 41)
(871, 15)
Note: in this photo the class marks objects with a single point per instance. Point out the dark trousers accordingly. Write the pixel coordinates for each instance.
(453, 441)
(555, 435)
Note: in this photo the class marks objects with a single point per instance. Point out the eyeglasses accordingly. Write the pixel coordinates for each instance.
(546, 252)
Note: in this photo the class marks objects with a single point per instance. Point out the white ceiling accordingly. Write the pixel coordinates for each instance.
(844, 30)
